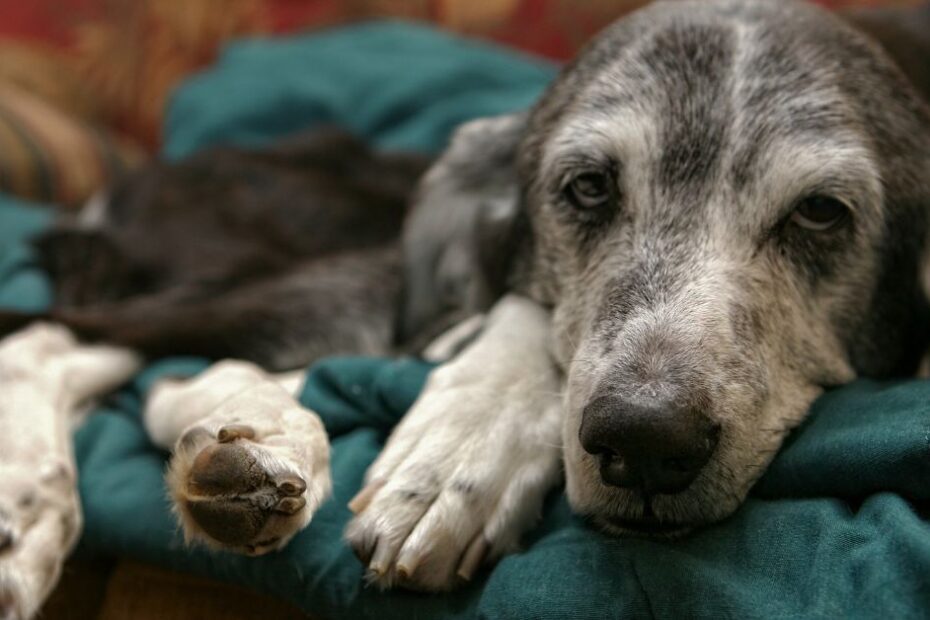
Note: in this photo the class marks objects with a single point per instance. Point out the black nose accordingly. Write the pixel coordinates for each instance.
(658, 446)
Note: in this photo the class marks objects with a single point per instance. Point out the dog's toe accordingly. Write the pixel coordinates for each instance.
(413, 542)
(7, 538)
(426, 528)
(231, 432)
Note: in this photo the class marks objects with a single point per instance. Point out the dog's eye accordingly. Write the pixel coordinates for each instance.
(590, 190)
(819, 213)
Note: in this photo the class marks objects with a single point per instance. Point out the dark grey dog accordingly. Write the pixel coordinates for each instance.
(718, 210)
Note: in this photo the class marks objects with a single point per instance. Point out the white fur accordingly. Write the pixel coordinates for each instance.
(474, 457)
(452, 340)
(95, 212)
(45, 377)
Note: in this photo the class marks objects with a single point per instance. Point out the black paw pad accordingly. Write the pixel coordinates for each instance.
(224, 469)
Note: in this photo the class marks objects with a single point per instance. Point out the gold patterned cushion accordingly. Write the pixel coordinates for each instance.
(51, 156)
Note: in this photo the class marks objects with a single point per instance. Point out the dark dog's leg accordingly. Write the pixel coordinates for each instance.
(341, 303)
(89, 267)
(14, 320)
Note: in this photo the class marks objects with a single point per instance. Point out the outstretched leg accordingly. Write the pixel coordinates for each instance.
(45, 377)
(466, 471)
(250, 464)
(344, 303)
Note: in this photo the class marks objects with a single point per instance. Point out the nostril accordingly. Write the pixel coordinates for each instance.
(616, 471)
(678, 465)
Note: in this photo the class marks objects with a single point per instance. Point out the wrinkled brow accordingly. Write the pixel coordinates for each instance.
(792, 167)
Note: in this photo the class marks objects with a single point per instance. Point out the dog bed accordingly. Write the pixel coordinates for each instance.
(838, 526)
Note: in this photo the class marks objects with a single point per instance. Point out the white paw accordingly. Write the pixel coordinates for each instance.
(40, 519)
(462, 477)
(39, 511)
(248, 475)
(35, 350)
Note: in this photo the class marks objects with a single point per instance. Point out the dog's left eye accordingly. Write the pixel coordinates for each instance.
(819, 213)
(590, 190)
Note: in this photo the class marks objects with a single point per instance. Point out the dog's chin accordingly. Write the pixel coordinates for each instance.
(626, 513)
(667, 517)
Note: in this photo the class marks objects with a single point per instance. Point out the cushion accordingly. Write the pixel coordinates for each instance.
(49, 155)
(124, 57)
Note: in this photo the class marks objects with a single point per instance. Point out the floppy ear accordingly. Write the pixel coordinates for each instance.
(462, 231)
(904, 32)
(896, 330)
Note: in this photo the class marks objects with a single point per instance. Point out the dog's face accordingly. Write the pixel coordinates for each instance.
(710, 197)
(724, 203)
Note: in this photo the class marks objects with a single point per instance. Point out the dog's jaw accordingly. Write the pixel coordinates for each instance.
(752, 434)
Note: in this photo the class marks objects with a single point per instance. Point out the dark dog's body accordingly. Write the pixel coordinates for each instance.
(278, 256)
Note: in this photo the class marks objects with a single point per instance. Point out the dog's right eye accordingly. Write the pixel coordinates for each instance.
(819, 213)
(587, 191)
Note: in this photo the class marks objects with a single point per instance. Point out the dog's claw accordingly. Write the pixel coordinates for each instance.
(381, 559)
(291, 505)
(361, 500)
(363, 553)
(291, 485)
(231, 432)
(377, 570)
(406, 567)
(473, 557)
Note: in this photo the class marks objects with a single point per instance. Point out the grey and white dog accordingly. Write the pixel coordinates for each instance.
(718, 211)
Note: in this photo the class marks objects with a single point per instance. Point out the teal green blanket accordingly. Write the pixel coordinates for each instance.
(836, 529)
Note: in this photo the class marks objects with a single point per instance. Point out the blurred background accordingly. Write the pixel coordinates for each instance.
(86, 81)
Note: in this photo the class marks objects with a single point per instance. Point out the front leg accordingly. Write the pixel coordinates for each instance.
(250, 464)
(466, 471)
(45, 377)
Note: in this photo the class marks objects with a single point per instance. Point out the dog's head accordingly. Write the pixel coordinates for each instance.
(724, 203)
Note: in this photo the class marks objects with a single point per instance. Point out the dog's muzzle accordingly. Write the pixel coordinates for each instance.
(655, 446)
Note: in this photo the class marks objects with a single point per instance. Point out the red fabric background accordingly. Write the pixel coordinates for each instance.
(114, 62)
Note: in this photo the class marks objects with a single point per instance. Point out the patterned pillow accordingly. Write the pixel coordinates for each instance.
(50, 156)
(127, 56)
